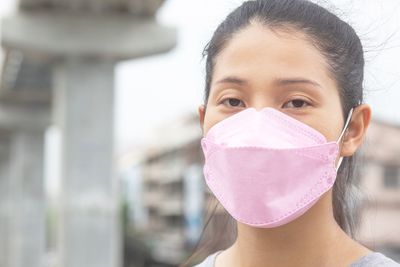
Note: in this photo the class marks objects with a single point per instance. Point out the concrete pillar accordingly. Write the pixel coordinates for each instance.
(84, 107)
(22, 199)
(4, 201)
(26, 227)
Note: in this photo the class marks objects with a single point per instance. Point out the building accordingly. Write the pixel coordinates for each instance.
(171, 179)
(380, 184)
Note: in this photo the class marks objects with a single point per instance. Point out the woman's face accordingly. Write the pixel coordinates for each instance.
(283, 70)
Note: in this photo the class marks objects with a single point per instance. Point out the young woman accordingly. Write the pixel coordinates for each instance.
(282, 120)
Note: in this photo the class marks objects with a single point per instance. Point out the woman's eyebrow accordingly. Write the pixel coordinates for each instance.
(277, 81)
(233, 79)
(289, 81)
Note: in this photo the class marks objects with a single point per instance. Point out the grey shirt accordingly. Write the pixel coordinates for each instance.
(374, 259)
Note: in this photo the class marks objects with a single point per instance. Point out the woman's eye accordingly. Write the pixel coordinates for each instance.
(296, 103)
(233, 102)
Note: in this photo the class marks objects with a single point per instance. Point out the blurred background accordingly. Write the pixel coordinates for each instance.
(100, 158)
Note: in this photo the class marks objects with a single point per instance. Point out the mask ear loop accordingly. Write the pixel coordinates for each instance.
(341, 135)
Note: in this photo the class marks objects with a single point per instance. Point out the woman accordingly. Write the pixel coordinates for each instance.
(282, 120)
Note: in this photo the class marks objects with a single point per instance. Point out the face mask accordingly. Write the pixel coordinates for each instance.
(267, 168)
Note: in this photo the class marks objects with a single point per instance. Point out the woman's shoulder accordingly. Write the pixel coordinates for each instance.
(374, 259)
(209, 261)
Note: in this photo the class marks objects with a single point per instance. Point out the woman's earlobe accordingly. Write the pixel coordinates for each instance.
(357, 129)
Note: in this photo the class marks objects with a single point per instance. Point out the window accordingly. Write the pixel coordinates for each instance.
(391, 178)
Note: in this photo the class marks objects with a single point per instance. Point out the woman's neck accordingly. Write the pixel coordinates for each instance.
(314, 239)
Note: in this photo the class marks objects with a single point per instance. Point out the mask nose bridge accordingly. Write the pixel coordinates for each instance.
(262, 108)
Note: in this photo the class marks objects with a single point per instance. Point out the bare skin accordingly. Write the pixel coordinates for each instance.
(261, 68)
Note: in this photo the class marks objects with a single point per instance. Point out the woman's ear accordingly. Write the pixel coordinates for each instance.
(356, 131)
(202, 111)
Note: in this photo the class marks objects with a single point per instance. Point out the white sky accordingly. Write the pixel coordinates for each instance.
(159, 89)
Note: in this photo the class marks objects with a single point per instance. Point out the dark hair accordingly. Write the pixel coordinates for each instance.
(337, 42)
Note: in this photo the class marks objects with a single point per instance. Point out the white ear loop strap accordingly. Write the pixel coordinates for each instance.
(341, 135)
(346, 124)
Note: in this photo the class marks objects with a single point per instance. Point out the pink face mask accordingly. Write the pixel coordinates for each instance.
(267, 168)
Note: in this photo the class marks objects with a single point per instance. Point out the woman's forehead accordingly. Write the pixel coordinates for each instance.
(257, 52)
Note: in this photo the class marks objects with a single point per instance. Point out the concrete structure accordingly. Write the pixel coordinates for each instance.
(63, 53)
(24, 117)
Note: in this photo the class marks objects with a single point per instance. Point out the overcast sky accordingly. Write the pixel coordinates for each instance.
(159, 89)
